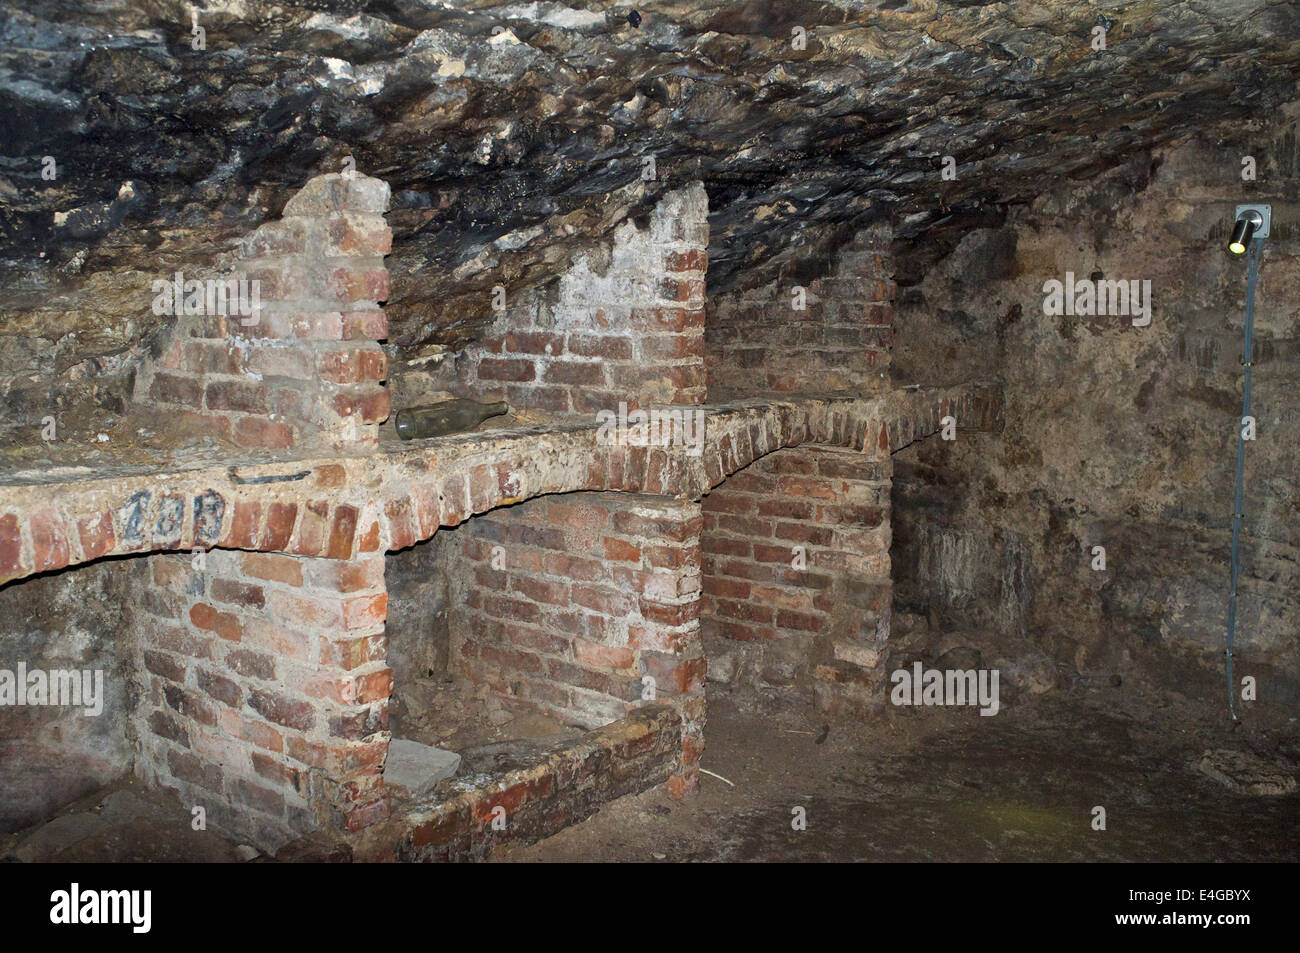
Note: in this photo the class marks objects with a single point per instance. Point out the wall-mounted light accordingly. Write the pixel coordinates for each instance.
(1252, 222)
(1249, 229)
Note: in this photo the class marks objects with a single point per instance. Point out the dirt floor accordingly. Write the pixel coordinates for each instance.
(125, 822)
(933, 784)
(920, 784)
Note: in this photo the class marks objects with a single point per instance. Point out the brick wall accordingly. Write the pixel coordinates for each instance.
(757, 343)
(631, 330)
(262, 679)
(306, 370)
(263, 689)
(586, 595)
(812, 621)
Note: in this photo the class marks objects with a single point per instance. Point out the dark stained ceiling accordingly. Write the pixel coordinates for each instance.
(506, 153)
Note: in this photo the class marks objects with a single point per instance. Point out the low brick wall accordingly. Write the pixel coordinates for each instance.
(305, 369)
(560, 787)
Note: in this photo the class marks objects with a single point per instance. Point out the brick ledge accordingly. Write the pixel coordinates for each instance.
(342, 506)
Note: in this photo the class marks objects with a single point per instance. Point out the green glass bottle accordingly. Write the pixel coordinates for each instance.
(445, 417)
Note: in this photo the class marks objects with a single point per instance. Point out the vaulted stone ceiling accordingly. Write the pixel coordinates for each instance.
(514, 133)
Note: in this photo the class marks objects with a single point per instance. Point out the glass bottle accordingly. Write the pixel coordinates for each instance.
(445, 417)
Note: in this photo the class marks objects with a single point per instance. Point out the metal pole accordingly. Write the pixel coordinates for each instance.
(1252, 263)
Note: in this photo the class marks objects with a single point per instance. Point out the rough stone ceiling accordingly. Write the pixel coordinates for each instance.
(506, 153)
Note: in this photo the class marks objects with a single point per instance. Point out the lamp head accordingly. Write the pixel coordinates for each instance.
(1252, 222)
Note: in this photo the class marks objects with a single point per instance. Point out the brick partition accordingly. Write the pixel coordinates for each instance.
(811, 621)
(257, 641)
(264, 689)
(305, 370)
(631, 331)
(570, 602)
(758, 343)
(261, 667)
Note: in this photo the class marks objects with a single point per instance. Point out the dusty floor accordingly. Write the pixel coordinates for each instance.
(922, 784)
(930, 784)
(122, 823)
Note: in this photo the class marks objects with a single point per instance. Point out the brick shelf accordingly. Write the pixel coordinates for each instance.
(390, 498)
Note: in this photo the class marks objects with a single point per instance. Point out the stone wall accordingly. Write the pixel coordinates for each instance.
(1116, 435)
(419, 607)
(64, 622)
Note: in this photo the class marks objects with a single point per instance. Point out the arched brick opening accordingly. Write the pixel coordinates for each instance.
(796, 580)
(797, 587)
